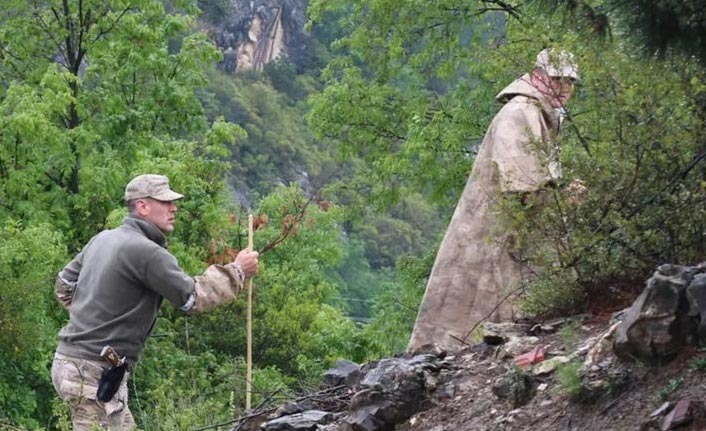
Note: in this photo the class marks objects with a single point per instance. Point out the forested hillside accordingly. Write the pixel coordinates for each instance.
(351, 148)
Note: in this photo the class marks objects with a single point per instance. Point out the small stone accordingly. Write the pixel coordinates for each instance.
(596, 384)
(661, 410)
(680, 415)
(550, 365)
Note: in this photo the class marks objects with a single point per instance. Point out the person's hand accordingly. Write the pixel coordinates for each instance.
(247, 261)
(577, 192)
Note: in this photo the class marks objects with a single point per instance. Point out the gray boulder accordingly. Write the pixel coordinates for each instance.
(344, 373)
(665, 317)
(696, 296)
(390, 391)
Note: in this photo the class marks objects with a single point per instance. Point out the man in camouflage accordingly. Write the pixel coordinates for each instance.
(113, 290)
(477, 268)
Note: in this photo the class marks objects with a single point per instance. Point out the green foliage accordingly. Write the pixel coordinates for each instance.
(570, 333)
(61, 415)
(293, 285)
(637, 141)
(654, 172)
(214, 11)
(698, 364)
(403, 106)
(552, 294)
(666, 25)
(91, 96)
(657, 27)
(635, 135)
(569, 379)
(278, 148)
(520, 386)
(396, 306)
(670, 387)
(285, 79)
(293, 329)
(407, 228)
(175, 389)
(331, 336)
(29, 257)
(356, 280)
(74, 129)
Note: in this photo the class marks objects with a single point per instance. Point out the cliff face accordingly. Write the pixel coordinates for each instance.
(251, 33)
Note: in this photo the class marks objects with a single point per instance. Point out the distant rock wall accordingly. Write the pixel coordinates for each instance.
(251, 33)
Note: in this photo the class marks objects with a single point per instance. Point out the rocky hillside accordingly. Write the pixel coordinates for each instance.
(557, 375)
(251, 33)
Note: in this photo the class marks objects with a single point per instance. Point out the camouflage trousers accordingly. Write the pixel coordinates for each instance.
(76, 382)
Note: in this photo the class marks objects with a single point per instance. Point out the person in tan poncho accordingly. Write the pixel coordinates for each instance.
(113, 290)
(474, 268)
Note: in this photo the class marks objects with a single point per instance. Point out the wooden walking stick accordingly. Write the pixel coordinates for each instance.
(248, 376)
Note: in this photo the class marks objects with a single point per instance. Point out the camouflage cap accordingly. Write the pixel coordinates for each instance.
(558, 63)
(150, 186)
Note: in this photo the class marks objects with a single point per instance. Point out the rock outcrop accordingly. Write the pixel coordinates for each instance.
(668, 315)
(538, 376)
(379, 395)
(252, 33)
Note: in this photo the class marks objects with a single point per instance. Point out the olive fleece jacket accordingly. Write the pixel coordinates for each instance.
(114, 287)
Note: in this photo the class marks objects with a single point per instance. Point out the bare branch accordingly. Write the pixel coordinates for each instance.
(259, 411)
(501, 302)
(287, 228)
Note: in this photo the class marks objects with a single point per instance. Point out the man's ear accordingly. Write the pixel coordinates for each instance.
(142, 206)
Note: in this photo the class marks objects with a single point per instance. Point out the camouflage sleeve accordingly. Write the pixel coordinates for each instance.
(66, 281)
(218, 284)
(63, 292)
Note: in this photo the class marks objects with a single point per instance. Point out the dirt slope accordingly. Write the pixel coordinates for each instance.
(628, 394)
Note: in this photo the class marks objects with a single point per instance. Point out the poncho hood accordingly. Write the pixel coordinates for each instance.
(522, 86)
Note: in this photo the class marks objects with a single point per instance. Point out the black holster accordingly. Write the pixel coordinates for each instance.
(110, 381)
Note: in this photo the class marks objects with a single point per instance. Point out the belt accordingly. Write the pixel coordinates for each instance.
(97, 362)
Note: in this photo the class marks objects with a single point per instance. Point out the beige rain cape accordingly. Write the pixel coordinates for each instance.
(474, 269)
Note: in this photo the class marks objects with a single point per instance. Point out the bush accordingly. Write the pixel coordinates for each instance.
(173, 388)
(570, 380)
(29, 259)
